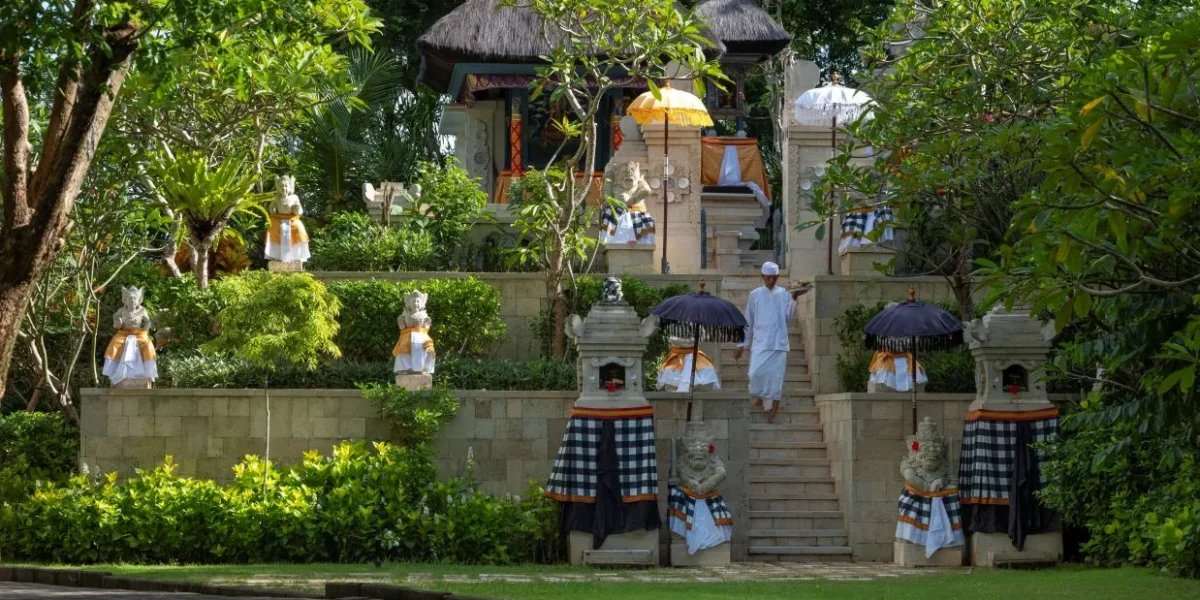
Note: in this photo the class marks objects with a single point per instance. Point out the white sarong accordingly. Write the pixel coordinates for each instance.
(766, 375)
(130, 365)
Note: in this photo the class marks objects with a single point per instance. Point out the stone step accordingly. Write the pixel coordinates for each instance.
(784, 467)
(795, 357)
(791, 503)
(790, 479)
(783, 520)
(732, 373)
(799, 537)
(787, 450)
(783, 491)
(811, 433)
(800, 553)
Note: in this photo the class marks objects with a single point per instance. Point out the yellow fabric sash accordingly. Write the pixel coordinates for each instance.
(886, 361)
(116, 347)
(674, 360)
(404, 345)
(299, 234)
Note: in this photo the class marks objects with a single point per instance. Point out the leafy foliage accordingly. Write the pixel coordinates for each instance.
(354, 505)
(34, 447)
(451, 204)
(951, 371)
(415, 416)
(465, 314)
(353, 242)
(273, 319)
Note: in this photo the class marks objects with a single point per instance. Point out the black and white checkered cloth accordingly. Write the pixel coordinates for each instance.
(643, 223)
(574, 475)
(855, 223)
(680, 505)
(989, 452)
(915, 509)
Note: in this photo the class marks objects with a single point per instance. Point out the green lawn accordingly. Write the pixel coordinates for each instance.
(1067, 583)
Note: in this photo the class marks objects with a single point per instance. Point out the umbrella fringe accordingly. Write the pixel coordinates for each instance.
(929, 343)
(708, 333)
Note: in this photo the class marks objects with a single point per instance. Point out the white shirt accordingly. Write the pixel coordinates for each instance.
(767, 314)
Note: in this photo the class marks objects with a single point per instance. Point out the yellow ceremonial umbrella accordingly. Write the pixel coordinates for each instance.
(671, 106)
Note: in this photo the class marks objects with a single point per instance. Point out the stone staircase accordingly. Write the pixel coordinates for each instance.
(794, 513)
(730, 230)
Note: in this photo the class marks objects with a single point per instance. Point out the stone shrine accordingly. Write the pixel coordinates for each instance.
(999, 470)
(605, 474)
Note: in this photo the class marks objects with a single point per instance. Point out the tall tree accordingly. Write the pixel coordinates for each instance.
(92, 45)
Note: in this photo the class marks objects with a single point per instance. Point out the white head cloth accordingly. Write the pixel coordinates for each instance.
(770, 268)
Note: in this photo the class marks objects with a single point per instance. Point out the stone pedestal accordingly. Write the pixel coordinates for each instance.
(716, 556)
(879, 388)
(414, 381)
(994, 549)
(292, 266)
(907, 554)
(636, 259)
(134, 384)
(863, 260)
(633, 548)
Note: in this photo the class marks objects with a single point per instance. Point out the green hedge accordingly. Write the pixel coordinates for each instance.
(215, 371)
(465, 313)
(34, 447)
(951, 371)
(354, 505)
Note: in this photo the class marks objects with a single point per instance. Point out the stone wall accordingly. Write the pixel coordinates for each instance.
(832, 295)
(522, 297)
(514, 436)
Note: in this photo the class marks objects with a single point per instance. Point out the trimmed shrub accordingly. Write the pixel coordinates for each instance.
(357, 504)
(465, 313)
(415, 416)
(353, 242)
(34, 447)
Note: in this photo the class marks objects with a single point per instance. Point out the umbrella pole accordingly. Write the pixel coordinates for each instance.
(832, 148)
(692, 386)
(666, 267)
(912, 369)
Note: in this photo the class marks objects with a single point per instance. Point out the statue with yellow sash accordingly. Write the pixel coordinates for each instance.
(129, 359)
(287, 240)
(675, 370)
(414, 353)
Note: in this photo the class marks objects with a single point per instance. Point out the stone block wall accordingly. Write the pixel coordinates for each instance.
(865, 434)
(522, 297)
(514, 436)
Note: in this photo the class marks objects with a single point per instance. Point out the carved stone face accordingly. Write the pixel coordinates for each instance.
(285, 185)
(415, 302)
(626, 177)
(612, 293)
(930, 456)
(697, 457)
(131, 297)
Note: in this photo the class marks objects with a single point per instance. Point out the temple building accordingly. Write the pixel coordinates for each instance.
(484, 55)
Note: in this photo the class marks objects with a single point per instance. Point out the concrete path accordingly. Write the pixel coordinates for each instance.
(10, 590)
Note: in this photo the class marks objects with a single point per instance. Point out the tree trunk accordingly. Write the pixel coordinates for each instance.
(172, 247)
(962, 285)
(200, 264)
(36, 217)
(558, 304)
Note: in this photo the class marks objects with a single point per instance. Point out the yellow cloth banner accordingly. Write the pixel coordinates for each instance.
(404, 345)
(299, 234)
(886, 361)
(116, 347)
(674, 360)
(712, 153)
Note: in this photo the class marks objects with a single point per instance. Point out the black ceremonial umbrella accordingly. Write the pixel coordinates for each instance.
(912, 326)
(700, 315)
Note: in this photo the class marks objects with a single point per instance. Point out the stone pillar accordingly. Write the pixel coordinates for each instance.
(683, 218)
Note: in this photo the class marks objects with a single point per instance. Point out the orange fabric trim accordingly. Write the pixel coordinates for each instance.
(677, 513)
(404, 344)
(693, 495)
(116, 347)
(729, 141)
(723, 522)
(1013, 415)
(639, 498)
(884, 360)
(613, 413)
(991, 501)
(675, 358)
(566, 498)
(299, 234)
(938, 494)
(922, 527)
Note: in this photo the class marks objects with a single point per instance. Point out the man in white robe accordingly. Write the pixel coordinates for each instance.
(768, 312)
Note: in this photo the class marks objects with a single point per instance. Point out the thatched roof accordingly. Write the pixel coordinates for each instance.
(485, 31)
(744, 27)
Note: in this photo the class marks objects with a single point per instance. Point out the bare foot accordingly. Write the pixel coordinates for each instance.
(771, 413)
(758, 402)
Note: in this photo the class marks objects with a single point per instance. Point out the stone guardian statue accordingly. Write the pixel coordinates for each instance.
(130, 359)
(287, 240)
(698, 513)
(414, 351)
(930, 515)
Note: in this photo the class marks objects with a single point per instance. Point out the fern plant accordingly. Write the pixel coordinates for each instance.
(205, 198)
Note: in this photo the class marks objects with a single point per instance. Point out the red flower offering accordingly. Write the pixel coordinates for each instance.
(1014, 389)
(916, 446)
(711, 448)
(610, 386)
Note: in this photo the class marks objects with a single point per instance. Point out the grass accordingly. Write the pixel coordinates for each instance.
(1065, 583)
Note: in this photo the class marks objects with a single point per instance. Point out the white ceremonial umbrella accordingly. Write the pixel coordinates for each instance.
(831, 104)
